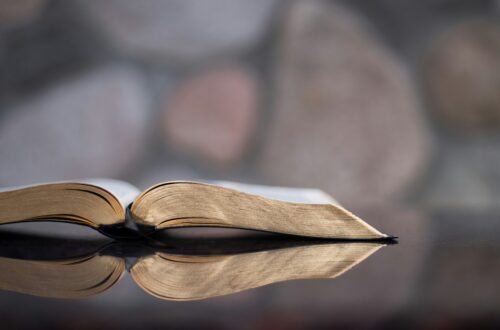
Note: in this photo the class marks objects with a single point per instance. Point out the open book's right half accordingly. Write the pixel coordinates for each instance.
(194, 204)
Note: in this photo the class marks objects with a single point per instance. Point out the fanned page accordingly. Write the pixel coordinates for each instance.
(92, 202)
(194, 204)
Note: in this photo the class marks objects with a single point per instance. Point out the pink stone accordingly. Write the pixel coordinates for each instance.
(212, 116)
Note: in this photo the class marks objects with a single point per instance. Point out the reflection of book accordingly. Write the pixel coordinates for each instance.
(70, 278)
(174, 276)
(102, 204)
(177, 277)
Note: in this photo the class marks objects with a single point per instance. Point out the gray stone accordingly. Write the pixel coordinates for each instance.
(92, 125)
(50, 47)
(212, 115)
(346, 116)
(461, 77)
(180, 30)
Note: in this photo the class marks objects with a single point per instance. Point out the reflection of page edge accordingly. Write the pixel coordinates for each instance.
(170, 276)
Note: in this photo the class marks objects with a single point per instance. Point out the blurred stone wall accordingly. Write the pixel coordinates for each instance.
(374, 101)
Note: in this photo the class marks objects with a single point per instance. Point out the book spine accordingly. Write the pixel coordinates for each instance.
(130, 222)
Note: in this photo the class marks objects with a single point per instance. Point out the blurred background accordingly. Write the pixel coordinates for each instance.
(374, 102)
(382, 102)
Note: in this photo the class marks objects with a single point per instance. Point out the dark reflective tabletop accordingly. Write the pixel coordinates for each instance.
(443, 273)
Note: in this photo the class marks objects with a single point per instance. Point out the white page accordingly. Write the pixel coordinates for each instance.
(124, 191)
(294, 195)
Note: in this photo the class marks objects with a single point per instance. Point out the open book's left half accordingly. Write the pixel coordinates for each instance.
(95, 204)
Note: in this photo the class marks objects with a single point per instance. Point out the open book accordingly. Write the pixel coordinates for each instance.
(117, 208)
(175, 273)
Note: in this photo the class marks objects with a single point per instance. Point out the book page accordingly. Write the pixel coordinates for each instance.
(124, 191)
(290, 211)
(294, 195)
(89, 202)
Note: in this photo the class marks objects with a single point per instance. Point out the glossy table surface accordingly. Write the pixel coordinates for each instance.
(443, 273)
